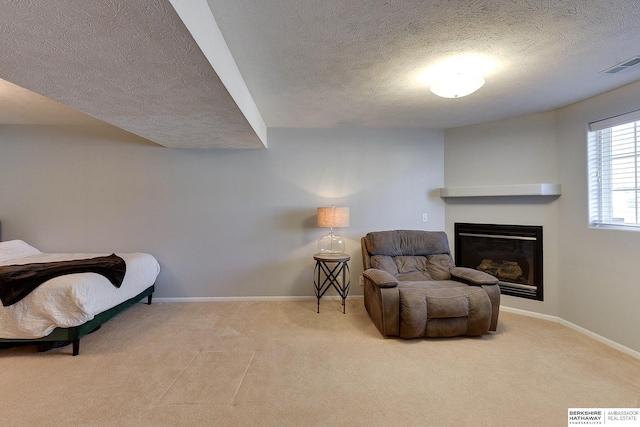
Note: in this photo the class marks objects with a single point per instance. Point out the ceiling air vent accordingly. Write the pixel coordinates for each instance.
(622, 66)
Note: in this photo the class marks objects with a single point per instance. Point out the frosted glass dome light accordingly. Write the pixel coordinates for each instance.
(457, 85)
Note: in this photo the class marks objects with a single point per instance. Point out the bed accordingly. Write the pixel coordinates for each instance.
(69, 306)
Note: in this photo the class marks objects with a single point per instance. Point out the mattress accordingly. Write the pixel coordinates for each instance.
(69, 300)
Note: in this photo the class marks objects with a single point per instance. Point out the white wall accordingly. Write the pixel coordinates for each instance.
(600, 284)
(222, 223)
(516, 151)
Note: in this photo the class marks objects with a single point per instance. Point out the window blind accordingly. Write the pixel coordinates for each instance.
(614, 171)
(620, 119)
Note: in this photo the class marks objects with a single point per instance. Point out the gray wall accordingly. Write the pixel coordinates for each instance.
(228, 223)
(516, 151)
(222, 223)
(591, 276)
(600, 288)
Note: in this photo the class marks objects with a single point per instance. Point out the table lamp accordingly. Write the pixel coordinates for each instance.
(329, 218)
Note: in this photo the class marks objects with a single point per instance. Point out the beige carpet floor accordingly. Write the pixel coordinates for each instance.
(281, 364)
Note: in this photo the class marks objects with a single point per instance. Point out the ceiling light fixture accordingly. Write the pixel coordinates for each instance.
(457, 85)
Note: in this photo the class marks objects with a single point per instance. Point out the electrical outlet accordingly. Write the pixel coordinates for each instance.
(361, 281)
(425, 217)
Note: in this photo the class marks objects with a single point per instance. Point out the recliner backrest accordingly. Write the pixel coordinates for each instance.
(407, 242)
(409, 255)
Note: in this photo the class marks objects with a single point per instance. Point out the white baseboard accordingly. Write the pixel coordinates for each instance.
(251, 299)
(577, 328)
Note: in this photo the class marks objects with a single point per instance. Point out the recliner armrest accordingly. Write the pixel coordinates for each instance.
(472, 277)
(380, 278)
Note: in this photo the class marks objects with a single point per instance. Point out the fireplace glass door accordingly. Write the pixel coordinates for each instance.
(512, 253)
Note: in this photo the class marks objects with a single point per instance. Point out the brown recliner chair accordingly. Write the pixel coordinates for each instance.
(413, 289)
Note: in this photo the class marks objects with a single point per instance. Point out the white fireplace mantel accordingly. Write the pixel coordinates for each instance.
(541, 189)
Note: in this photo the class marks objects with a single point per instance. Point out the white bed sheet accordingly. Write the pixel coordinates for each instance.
(72, 299)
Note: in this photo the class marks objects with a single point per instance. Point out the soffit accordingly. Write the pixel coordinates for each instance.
(132, 64)
(306, 63)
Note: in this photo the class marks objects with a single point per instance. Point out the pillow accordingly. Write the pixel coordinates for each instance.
(14, 249)
(409, 264)
(439, 266)
(385, 263)
(412, 268)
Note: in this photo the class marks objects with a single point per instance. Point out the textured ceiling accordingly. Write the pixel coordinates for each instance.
(353, 63)
(306, 63)
(129, 63)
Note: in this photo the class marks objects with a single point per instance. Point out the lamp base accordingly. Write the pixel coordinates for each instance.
(331, 244)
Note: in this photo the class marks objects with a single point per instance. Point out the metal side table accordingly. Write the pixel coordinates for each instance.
(335, 271)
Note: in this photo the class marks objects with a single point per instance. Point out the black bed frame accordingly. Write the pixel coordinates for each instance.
(74, 334)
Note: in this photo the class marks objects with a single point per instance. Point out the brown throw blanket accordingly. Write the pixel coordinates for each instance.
(17, 281)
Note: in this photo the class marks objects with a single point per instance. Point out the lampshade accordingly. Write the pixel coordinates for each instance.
(333, 217)
(329, 218)
(457, 85)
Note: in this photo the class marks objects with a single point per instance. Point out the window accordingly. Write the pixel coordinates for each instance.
(614, 172)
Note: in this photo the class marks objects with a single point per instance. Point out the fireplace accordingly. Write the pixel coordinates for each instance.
(512, 253)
